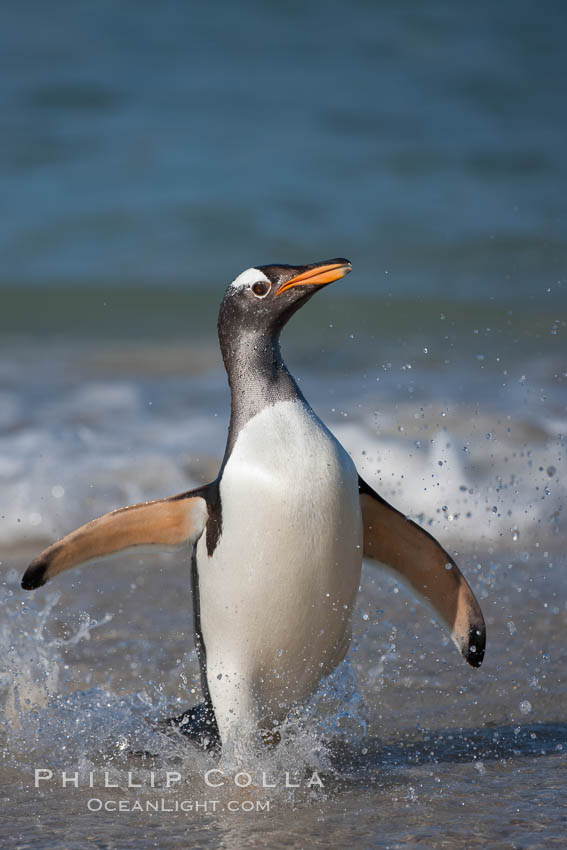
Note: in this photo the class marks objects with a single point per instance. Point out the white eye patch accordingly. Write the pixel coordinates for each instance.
(249, 277)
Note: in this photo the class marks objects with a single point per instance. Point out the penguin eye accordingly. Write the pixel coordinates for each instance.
(260, 288)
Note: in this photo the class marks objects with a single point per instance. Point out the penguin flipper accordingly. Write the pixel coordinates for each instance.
(176, 521)
(420, 561)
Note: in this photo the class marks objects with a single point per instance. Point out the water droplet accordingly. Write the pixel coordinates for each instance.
(515, 534)
(551, 471)
(219, 677)
(511, 627)
(525, 706)
(448, 566)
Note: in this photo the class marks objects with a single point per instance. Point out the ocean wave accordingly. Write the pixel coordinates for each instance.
(73, 447)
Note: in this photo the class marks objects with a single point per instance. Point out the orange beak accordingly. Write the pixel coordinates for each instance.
(325, 273)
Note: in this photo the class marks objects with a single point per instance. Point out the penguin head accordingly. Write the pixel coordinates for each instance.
(263, 298)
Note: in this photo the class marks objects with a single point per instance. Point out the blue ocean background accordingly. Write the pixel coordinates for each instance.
(176, 143)
(150, 152)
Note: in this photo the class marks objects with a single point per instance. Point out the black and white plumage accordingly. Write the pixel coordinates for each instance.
(278, 538)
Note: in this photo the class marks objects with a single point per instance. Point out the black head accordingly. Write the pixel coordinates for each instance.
(262, 299)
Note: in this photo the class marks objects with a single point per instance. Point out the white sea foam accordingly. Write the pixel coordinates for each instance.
(495, 491)
(73, 446)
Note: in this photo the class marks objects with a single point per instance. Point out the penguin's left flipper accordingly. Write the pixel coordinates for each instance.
(420, 561)
(165, 523)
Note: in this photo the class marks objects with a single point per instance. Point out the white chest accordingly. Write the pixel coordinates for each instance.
(277, 593)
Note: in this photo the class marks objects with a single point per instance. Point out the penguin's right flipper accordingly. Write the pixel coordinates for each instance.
(165, 523)
(419, 560)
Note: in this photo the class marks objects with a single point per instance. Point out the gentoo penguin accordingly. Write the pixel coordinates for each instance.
(277, 540)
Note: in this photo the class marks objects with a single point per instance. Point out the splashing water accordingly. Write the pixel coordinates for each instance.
(94, 728)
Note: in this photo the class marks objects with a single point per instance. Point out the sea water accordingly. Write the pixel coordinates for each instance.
(153, 151)
(407, 741)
